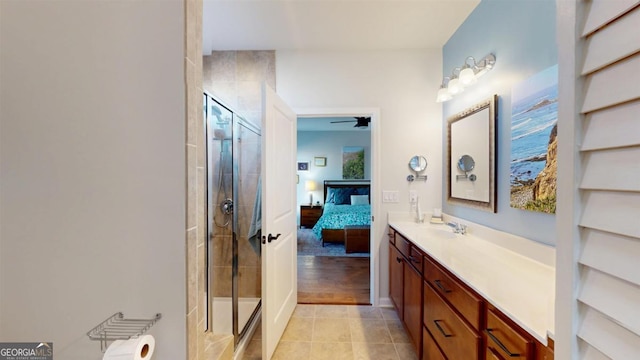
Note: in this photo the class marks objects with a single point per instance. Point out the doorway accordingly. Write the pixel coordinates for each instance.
(328, 272)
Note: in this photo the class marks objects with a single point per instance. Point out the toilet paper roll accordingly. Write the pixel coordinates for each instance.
(140, 348)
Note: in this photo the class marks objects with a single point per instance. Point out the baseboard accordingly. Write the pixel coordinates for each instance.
(385, 302)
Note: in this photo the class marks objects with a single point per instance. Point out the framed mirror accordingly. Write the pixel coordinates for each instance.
(471, 153)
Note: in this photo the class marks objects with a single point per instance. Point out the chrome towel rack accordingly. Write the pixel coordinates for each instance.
(116, 327)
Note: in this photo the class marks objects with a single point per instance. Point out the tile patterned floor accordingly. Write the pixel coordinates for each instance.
(340, 332)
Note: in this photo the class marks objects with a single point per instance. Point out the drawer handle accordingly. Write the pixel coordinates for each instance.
(500, 344)
(441, 287)
(413, 259)
(398, 259)
(440, 328)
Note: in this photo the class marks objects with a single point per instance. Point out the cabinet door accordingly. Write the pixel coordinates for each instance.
(413, 305)
(396, 276)
(430, 350)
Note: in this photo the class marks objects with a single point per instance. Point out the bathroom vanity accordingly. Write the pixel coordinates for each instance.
(467, 297)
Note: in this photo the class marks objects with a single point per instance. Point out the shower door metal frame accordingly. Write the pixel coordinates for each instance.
(236, 122)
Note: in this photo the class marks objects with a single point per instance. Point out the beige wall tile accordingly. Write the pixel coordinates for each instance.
(192, 336)
(191, 187)
(192, 270)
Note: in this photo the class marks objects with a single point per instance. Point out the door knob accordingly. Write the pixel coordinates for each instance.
(270, 238)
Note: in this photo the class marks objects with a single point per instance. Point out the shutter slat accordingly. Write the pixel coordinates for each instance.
(590, 353)
(602, 12)
(613, 127)
(615, 212)
(608, 337)
(614, 169)
(612, 254)
(600, 51)
(613, 85)
(613, 297)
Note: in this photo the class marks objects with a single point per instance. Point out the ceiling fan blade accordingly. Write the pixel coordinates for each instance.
(344, 121)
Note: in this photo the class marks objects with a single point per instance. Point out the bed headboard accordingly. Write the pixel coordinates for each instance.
(346, 184)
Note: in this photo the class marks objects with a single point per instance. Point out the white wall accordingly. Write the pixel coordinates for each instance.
(92, 191)
(328, 144)
(403, 85)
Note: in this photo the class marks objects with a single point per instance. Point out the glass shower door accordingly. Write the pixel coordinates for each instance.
(247, 157)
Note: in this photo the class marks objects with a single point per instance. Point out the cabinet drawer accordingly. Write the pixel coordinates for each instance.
(430, 350)
(467, 303)
(503, 341)
(416, 258)
(453, 335)
(392, 236)
(403, 245)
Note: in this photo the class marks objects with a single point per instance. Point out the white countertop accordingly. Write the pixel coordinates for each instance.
(521, 286)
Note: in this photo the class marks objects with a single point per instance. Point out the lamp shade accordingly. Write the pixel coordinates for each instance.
(310, 185)
(443, 95)
(467, 77)
(455, 87)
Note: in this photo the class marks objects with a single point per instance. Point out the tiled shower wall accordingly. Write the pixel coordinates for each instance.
(235, 78)
(195, 312)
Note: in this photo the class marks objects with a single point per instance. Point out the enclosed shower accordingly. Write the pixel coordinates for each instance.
(234, 213)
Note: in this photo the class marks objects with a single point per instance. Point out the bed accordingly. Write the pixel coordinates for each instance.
(346, 202)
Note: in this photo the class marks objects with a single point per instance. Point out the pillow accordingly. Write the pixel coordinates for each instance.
(342, 196)
(359, 199)
(362, 191)
(331, 196)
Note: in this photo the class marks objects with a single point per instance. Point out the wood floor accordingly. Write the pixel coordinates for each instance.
(333, 280)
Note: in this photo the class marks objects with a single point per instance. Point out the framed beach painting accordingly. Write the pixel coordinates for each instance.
(534, 142)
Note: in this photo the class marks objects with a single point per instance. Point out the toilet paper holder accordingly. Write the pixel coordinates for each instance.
(116, 327)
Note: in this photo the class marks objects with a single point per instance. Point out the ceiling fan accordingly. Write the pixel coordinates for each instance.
(361, 122)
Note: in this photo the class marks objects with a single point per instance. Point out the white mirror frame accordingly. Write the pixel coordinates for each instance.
(481, 145)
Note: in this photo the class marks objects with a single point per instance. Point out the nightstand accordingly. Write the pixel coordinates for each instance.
(309, 215)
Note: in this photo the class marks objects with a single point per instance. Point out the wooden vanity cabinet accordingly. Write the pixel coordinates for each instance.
(505, 340)
(405, 285)
(396, 276)
(445, 318)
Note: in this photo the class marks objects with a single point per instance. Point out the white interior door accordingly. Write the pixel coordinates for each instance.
(279, 256)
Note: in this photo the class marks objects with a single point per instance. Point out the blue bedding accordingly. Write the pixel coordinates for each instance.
(337, 216)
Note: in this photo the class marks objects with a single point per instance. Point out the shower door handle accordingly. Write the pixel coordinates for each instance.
(270, 238)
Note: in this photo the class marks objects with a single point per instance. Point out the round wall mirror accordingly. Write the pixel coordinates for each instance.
(466, 163)
(418, 163)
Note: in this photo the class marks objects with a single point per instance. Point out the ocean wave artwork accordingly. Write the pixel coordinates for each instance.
(534, 115)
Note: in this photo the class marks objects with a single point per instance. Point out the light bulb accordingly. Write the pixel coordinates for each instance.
(443, 95)
(455, 87)
(467, 77)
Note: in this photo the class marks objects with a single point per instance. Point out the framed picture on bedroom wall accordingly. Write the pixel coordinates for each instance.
(353, 162)
(303, 166)
(320, 161)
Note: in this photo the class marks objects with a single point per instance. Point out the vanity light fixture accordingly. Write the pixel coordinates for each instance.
(443, 93)
(465, 76)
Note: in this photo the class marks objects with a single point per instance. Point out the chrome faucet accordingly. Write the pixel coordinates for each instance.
(458, 228)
